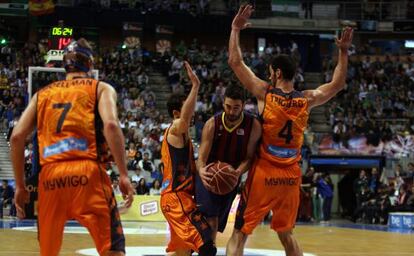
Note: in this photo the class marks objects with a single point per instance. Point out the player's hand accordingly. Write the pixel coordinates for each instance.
(240, 20)
(127, 190)
(21, 198)
(346, 39)
(237, 171)
(191, 74)
(205, 175)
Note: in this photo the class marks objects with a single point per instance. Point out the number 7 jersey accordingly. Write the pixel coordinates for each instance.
(68, 123)
(285, 118)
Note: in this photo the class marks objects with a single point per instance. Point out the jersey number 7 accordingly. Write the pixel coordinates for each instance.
(66, 107)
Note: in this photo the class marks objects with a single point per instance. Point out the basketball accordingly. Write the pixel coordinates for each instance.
(224, 179)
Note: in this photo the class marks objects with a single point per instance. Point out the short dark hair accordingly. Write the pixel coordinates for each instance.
(78, 56)
(175, 102)
(286, 64)
(84, 43)
(235, 92)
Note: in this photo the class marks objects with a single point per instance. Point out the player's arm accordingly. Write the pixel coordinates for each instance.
(247, 78)
(255, 136)
(327, 91)
(23, 128)
(113, 134)
(187, 110)
(204, 151)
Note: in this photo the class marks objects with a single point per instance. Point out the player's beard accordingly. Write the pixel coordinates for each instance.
(232, 118)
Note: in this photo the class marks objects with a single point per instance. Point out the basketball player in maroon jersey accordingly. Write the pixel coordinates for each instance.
(230, 136)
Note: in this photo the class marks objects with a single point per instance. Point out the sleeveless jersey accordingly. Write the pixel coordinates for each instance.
(230, 145)
(179, 167)
(68, 123)
(285, 118)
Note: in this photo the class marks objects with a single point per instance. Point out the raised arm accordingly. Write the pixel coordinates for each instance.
(114, 136)
(327, 91)
(247, 78)
(255, 136)
(188, 107)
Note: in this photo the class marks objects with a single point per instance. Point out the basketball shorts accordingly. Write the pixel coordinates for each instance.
(188, 228)
(78, 190)
(214, 205)
(269, 188)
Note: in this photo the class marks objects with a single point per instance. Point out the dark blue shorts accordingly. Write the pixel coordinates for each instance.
(213, 205)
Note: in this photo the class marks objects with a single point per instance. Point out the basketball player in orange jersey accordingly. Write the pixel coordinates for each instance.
(73, 118)
(230, 136)
(189, 229)
(274, 180)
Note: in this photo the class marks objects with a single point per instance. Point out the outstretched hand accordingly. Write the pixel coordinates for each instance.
(191, 74)
(240, 20)
(346, 39)
(127, 191)
(21, 198)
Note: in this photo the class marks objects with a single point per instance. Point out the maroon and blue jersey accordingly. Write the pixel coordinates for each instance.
(230, 144)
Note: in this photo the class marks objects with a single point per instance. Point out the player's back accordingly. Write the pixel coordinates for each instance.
(179, 167)
(285, 118)
(68, 123)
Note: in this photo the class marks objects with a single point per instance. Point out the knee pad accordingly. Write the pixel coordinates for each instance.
(208, 249)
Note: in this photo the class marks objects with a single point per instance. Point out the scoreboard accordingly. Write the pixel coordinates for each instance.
(60, 37)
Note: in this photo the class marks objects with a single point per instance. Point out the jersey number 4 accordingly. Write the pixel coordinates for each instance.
(66, 107)
(286, 132)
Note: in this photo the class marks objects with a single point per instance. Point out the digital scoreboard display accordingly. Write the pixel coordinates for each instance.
(60, 37)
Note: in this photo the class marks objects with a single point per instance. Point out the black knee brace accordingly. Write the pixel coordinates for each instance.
(208, 249)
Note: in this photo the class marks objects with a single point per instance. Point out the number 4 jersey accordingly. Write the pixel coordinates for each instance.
(285, 118)
(68, 123)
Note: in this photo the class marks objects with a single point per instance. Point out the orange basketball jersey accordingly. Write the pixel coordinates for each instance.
(68, 123)
(179, 167)
(285, 118)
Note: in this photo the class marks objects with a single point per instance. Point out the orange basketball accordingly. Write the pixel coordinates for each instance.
(224, 179)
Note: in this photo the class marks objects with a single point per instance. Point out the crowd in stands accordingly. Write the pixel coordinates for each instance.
(377, 91)
(378, 101)
(374, 196)
(211, 67)
(193, 7)
(6, 198)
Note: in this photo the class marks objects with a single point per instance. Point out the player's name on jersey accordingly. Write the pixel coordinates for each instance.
(74, 82)
(288, 103)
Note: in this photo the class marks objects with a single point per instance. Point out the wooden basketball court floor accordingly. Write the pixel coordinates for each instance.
(149, 238)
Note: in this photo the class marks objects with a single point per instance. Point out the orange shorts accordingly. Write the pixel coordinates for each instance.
(188, 227)
(269, 188)
(78, 190)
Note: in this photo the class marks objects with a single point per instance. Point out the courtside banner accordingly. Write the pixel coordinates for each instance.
(147, 208)
(233, 209)
(144, 208)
